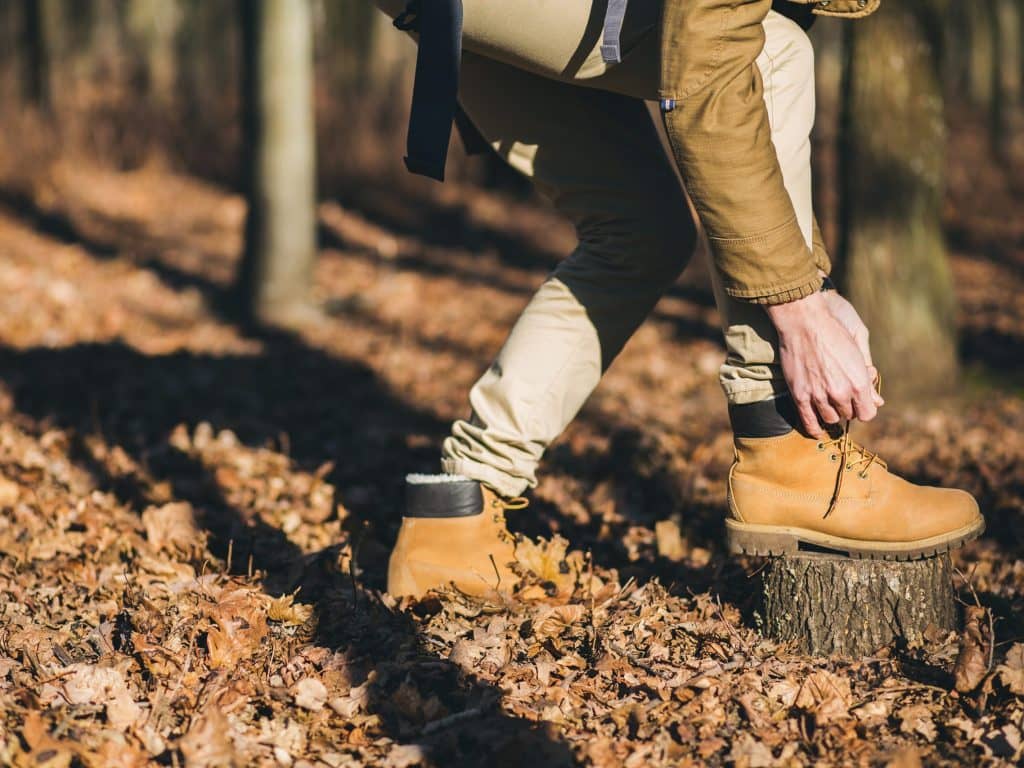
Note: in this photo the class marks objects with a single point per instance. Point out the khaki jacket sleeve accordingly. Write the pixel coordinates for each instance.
(721, 138)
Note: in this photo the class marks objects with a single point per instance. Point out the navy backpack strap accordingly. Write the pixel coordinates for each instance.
(436, 85)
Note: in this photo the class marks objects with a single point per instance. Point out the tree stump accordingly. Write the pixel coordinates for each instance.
(832, 605)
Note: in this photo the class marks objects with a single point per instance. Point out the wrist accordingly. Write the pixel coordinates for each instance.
(797, 313)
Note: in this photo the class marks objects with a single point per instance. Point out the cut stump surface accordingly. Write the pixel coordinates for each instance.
(831, 605)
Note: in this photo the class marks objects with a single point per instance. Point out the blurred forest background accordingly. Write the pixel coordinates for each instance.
(132, 83)
(230, 322)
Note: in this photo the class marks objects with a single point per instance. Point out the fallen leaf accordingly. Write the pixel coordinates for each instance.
(748, 752)
(241, 624)
(172, 528)
(9, 492)
(826, 696)
(94, 684)
(917, 719)
(974, 659)
(310, 694)
(286, 611)
(207, 743)
(43, 750)
(908, 757)
(1011, 672)
(405, 756)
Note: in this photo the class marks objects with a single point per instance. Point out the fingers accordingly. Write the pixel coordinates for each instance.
(847, 315)
(864, 403)
(826, 411)
(842, 405)
(808, 417)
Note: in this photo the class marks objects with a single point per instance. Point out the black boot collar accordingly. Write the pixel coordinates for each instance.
(426, 496)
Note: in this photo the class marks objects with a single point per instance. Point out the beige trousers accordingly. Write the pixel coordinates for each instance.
(534, 83)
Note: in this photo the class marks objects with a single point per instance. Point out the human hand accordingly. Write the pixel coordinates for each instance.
(827, 373)
(843, 311)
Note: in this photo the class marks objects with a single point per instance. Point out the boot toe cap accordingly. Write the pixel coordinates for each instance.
(954, 510)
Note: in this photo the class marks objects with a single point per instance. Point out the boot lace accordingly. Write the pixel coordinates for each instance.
(503, 505)
(851, 456)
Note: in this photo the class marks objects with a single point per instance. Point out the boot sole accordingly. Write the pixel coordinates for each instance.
(774, 540)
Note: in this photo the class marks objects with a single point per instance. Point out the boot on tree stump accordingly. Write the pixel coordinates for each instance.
(829, 605)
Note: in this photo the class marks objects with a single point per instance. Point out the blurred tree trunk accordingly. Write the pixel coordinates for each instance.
(981, 59)
(894, 266)
(104, 53)
(1008, 114)
(154, 25)
(350, 41)
(280, 247)
(42, 39)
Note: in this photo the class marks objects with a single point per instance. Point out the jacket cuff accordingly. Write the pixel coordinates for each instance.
(780, 295)
(770, 268)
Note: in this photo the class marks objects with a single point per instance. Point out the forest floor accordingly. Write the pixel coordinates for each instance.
(197, 514)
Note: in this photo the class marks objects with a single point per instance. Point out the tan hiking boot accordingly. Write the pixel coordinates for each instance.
(453, 533)
(788, 490)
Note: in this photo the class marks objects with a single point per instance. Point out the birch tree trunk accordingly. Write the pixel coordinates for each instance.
(279, 163)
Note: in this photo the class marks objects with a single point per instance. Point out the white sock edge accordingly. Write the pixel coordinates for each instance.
(421, 479)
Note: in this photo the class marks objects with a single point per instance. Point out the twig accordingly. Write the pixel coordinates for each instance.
(1010, 640)
(760, 568)
(497, 573)
(728, 666)
(57, 676)
(732, 630)
(450, 720)
(590, 603)
(639, 663)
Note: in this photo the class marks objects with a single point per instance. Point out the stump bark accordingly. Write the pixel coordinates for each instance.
(830, 605)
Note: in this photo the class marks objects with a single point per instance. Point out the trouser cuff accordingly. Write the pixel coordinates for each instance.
(500, 482)
(746, 391)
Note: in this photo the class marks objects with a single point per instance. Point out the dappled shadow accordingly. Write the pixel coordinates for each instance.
(331, 410)
(316, 408)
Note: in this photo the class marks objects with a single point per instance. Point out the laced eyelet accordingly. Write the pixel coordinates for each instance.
(821, 446)
(862, 475)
